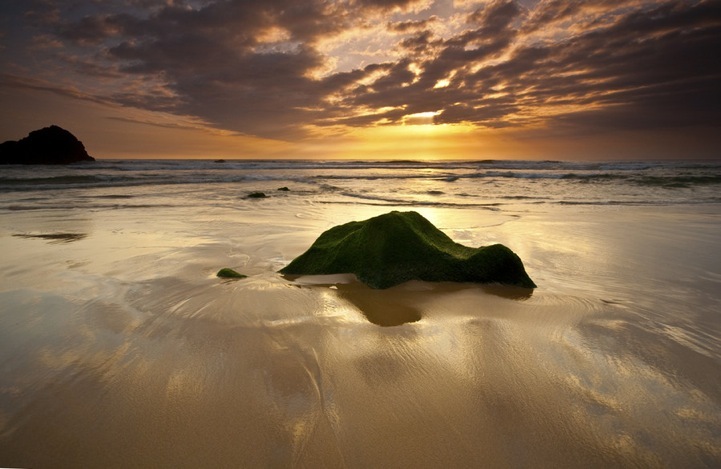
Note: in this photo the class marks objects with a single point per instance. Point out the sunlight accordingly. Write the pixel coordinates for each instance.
(420, 118)
(418, 142)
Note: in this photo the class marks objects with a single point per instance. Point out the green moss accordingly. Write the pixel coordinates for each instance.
(400, 246)
(229, 273)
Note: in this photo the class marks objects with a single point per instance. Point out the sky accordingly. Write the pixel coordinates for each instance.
(377, 79)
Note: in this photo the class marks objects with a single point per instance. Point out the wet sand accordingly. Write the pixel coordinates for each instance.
(121, 348)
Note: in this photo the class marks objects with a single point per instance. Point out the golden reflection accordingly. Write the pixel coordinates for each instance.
(403, 303)
(385, 308)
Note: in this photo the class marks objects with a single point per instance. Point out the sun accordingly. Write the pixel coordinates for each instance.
(420, 118)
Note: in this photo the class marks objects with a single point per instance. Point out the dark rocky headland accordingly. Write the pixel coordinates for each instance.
(396, 247)
(49, 145)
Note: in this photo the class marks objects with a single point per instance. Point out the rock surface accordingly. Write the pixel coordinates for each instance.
(50, 145)
(229, 273)
(400, 246)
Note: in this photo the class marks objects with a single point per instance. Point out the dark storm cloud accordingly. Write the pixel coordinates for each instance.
(654, 65)
(386, 5)
(410, 26)
(495, 16)
(490, 36)
(210, 60)
(420, 43)
(259, 67)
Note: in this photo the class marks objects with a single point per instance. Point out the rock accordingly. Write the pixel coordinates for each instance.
(400, 246)
(229, 273)
(284, 189)
(256, 195)
(50, 145)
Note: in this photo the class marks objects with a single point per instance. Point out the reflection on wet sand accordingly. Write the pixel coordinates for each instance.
(381, 307)
(266, 373)
(129, 352)
(403, 303)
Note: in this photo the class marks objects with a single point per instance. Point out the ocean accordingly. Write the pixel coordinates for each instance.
(120, 347)
(488, 183)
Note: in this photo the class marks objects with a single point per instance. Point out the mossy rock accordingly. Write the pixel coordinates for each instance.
(400, 246)
(229, 273)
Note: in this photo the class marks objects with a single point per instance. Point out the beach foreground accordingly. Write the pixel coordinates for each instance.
(120, 347)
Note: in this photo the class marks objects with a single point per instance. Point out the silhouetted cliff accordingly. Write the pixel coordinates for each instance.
(50, 145)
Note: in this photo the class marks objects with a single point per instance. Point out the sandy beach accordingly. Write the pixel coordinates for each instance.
(119, 347)
(527, 195)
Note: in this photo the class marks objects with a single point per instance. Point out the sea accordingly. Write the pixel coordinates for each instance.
(486, 183)
(119, 345)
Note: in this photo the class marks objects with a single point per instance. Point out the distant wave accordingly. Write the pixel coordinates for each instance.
(91, 206)
(479, 183)
(279, 165)
(678, 181)
(50, 180)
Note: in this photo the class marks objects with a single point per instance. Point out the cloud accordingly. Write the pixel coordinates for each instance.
(653, 65)
(410, 26)
(390, 5)
(495, 16)
(267, 67)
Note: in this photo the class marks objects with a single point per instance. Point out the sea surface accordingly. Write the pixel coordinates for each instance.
(489, 183)
(120, 347)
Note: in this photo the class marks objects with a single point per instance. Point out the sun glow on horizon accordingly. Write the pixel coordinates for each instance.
(417, 141)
